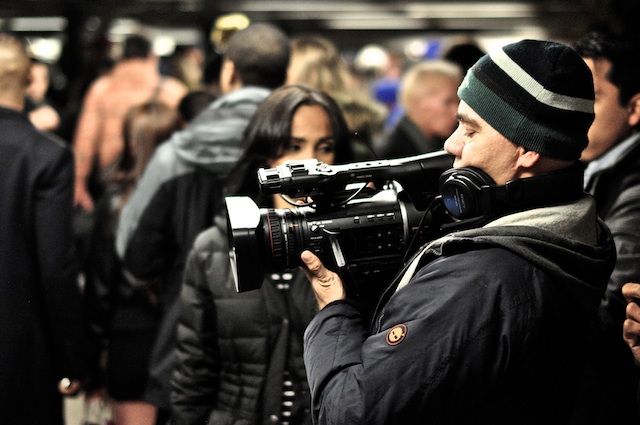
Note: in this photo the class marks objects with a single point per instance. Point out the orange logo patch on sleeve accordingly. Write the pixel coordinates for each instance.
(396, 334)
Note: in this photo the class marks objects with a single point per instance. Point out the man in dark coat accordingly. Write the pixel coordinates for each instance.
(612, 176)
(475, 326)
(40, 309)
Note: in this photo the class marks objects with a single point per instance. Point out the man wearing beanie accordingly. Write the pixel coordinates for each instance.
(483, 325)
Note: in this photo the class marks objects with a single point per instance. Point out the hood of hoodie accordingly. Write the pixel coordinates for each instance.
(214, 140)
(568, 241)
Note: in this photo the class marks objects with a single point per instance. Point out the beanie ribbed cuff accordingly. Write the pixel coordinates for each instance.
(537, 94)
(515, 126)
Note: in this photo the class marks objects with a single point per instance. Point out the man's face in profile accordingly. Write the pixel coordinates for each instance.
(436, 106)
(476, 144)
(611, 121)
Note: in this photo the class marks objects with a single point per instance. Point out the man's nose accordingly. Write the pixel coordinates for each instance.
(454, 144)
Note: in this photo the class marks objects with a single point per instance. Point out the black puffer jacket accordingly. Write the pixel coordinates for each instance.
(232, 348)
(113, 303)
(488, 331)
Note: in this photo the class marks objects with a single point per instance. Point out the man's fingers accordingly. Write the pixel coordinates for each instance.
(310, 260)
(314, 265)
(326, 285)
(68, 387)
(633, 312)
(631, 326)
(82, 198)
(630, 332)
(631, 291)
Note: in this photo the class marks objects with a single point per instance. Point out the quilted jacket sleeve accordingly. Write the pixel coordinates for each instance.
(195, 378)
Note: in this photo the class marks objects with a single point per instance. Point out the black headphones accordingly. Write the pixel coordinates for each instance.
(469, 193)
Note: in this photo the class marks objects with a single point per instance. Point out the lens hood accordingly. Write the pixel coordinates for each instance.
(246, 242)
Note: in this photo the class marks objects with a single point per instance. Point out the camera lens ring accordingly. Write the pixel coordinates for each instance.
(283, 234)
(293, 237)
(276, 239)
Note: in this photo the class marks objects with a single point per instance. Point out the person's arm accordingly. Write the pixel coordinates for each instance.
(58, 267)
(195, 377)
(631, 327)
(85, 144)
(437, 334)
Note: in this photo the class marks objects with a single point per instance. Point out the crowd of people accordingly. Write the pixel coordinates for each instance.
(115, 263)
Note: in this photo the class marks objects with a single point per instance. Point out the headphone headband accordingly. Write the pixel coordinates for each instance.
(472, 193)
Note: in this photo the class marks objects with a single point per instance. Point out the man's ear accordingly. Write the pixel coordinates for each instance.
(634, 110)
(527, 160)
(228, 76)
(28, 79)
(233, 72)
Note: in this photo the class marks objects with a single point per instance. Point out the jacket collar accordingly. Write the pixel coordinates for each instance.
(610, 159)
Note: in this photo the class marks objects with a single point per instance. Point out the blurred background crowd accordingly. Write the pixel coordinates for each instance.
(168, 105)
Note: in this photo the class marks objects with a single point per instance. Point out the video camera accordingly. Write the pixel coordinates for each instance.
(348, 224)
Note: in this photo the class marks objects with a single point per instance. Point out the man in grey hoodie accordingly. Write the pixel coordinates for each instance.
(182, 186)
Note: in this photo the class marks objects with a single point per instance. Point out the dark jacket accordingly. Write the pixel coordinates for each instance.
(40, 305)
(489, 330)
(115, 302)
(118, 301)
(608, 393)
(232, 348)
(177, 197)
(406, 139)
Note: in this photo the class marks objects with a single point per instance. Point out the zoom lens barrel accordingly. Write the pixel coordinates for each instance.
(372, 233)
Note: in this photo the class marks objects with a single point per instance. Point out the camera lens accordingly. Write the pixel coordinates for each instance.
(262, 240)
(246, 243)
(285, 238)
(369, 234)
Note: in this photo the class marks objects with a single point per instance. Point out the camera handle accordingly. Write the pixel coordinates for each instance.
(339, 261)
(338, 256)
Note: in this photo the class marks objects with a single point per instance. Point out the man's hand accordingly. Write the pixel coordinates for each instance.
(82, 198)
(68, 387)
(327, 285)
(631, 327)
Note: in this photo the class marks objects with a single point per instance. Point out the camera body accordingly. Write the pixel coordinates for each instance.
(367, 234)
(353, 228)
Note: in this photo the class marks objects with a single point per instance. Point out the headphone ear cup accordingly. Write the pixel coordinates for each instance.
(461, 191)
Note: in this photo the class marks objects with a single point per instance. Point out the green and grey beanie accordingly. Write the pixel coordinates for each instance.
(538, 94)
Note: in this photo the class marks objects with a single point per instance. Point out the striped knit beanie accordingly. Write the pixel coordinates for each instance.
(537, 94)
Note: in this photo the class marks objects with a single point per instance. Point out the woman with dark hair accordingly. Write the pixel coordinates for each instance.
(270, 140)
(316, 62)
(240, 355)
(123, 312)
(145, 127)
